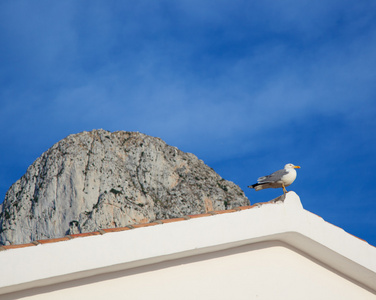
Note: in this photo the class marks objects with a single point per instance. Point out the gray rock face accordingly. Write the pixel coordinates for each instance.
(100, 179)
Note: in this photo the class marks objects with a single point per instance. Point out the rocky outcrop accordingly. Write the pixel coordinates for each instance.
(100, 179)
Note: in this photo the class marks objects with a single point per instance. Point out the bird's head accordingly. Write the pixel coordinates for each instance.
(291, 166)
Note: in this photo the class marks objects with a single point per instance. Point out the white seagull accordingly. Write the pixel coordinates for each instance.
(279, 179)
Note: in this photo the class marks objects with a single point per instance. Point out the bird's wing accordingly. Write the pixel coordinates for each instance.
(276, 176)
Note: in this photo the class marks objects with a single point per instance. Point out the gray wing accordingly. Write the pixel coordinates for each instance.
(276, 176)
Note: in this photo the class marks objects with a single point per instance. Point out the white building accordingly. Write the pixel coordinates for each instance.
(265, 251)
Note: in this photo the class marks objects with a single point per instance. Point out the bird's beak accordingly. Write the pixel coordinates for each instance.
(296, 167)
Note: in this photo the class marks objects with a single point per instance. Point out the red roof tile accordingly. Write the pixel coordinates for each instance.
(144, 225)
(172, 220)
(48, 241)
(76, 235)
(244, 207)
(219, 212)
(7, 247)
(117, 229)
(199, 216)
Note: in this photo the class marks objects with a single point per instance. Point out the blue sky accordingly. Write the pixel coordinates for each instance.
(247, 86)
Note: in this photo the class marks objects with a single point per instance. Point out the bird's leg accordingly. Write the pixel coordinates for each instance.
(284, 189)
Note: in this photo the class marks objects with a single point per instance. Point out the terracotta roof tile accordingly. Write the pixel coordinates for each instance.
(172, 220)
(7, 247)
(244, 207)
(77, 235)
(219, 212)
(48, 241)
(199, 216)
(144, 225)
(117, 229)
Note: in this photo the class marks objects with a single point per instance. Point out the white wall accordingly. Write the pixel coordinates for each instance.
(268, 270)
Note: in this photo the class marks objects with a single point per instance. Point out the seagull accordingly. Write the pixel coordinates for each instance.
(280, 178)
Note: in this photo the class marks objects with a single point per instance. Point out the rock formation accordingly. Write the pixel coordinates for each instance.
(100, 179)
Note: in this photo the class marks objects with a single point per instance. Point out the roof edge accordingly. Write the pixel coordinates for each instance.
(136, 225)
(291, 224)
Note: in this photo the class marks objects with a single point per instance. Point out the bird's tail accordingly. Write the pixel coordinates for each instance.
(256, 186)
(253, 185)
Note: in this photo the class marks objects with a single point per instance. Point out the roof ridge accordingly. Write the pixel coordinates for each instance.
(134, 226)
(117, 229)
(103, 231)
